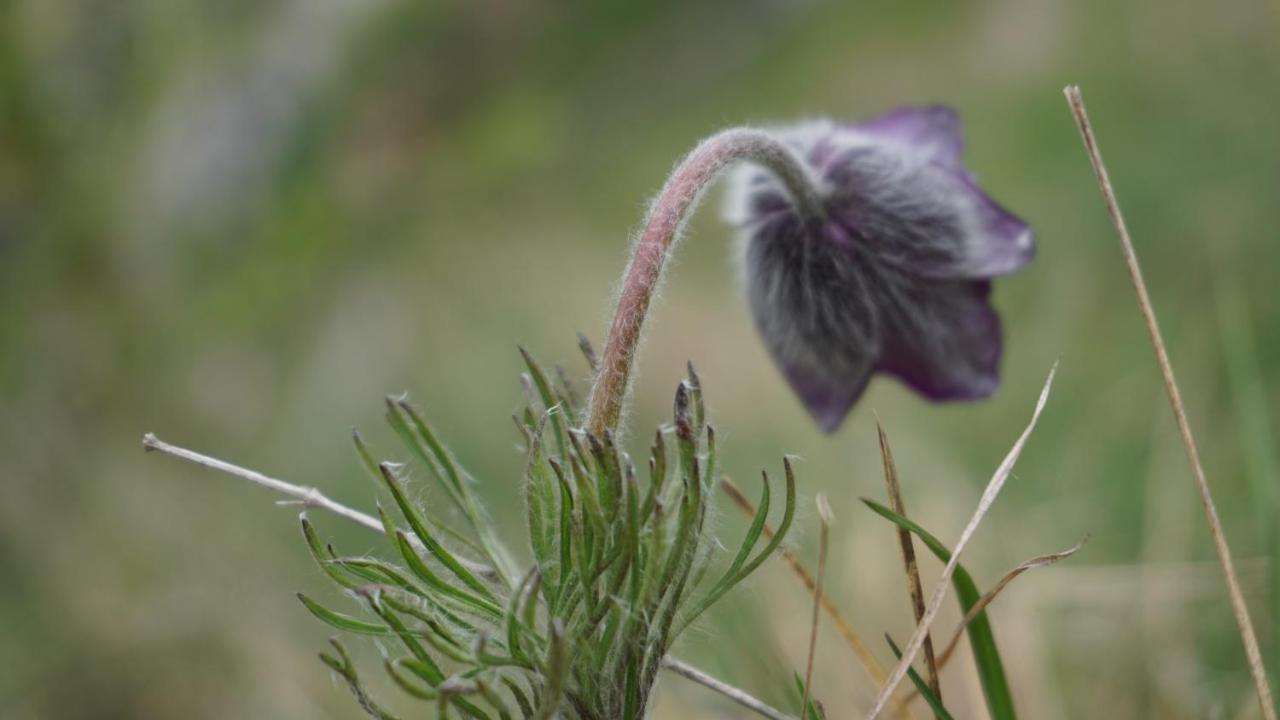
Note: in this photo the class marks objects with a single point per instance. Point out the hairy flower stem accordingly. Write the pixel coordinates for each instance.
(666, 218)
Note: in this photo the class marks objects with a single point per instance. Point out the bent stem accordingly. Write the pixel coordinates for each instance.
(662, 226)
(1238, 605)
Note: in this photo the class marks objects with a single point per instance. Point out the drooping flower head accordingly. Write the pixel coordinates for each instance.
(893, 276)
(867, 248)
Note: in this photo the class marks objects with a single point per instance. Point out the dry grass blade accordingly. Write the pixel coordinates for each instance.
(824, 536)
(914, 587)
(991, 594)
(940, 592)
(851, 637)
(1238, 605)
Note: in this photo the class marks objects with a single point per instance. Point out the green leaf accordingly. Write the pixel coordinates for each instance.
(814, 711)
(540, 505)
(341, 621)
(422, 440)
(789, 512)
(437, 634)
(555, 406)
(526, 709)
(409, 686)
(433, 674)
(982, 640)
(557, 674)
(343, 666)
(419, 528)
(922, 687)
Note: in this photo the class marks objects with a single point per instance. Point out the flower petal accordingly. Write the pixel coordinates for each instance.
(813, 301)
(933, 130)
(950, 347)
(826, 395)
(993, 240)
(924, 219)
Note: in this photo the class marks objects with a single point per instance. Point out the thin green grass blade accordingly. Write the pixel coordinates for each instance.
(982, 640)
(922, 687)
(814, 711)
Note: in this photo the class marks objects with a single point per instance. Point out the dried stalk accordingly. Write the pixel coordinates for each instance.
(1238, 606)
(824, 537)
(843, 626)
(914, 587)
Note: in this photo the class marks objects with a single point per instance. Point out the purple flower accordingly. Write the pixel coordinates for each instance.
(893, 276)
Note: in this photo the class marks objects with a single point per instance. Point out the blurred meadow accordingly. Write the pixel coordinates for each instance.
(240, 224)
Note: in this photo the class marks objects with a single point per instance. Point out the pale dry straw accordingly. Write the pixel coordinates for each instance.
(1238, 606)
(914, 587)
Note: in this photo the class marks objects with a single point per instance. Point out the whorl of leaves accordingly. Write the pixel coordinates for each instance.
(622, 563)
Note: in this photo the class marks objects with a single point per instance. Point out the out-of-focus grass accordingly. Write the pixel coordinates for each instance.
(243, 223)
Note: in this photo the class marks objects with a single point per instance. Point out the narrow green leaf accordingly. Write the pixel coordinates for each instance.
(540, 504)
(513, 614)
(814, 711)
(437, 634)
(922, 687)
(526, 709)
(343, 666)
(342, 622)
(557, 674)
(422, 440)
(420, 569)
(321, 557)
(434, 675)
(982, 641)
(749, 567)
(552, 404)
(409, 686)
(419, 528)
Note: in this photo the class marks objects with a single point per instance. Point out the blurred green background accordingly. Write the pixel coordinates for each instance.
(238, 224)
